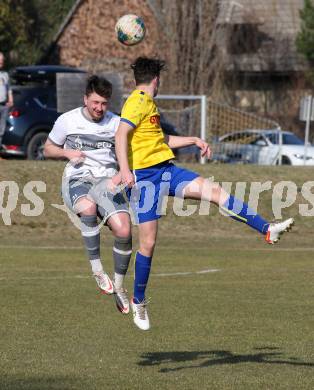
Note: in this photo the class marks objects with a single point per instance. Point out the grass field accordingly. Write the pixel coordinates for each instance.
(227, 311)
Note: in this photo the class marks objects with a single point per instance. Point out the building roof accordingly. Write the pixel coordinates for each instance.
(67, 19)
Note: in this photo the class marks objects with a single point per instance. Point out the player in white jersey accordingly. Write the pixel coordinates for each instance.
(86, 137)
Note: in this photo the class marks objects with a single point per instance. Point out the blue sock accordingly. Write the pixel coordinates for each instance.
(241, 212)
(142, 270)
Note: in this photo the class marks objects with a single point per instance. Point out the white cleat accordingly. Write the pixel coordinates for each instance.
(140, 316)
(275, 230)
(104, 282)
(122, 301)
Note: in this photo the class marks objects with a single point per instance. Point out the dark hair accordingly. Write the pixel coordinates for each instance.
(100, 85)
(146, 69)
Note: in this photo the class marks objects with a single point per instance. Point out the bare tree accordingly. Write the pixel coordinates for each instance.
(189, 26)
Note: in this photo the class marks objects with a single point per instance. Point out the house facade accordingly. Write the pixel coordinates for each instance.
(87, 39)
(263, 68)
(254, 42)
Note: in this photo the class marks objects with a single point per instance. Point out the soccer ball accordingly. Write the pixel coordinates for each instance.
(130, 30)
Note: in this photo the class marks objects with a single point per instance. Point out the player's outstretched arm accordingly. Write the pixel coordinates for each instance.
(175, 141)
(54, 151)
(122, 153)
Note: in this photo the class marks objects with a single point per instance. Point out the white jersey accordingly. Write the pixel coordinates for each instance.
(4, 86)
(73, 130)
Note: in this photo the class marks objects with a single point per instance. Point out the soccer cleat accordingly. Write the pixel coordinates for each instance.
(122, 301)
(104, 283)
(275, 230)
(140, 316)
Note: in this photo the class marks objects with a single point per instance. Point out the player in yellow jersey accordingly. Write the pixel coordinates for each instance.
(147, 144)
(144, 155)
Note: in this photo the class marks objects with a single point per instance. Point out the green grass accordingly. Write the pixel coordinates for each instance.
(248, 326)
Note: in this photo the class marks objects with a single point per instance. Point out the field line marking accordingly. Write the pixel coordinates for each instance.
(201, 272)
(205, 271)
(48, 247)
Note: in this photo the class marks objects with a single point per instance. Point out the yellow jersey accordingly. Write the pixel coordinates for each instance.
(146, 143)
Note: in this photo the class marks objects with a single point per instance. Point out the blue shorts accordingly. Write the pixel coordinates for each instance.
(152, 185)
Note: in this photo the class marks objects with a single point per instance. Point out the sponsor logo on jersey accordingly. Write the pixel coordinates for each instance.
(78, 143)
(103, 144)
(81, 144)
(155, 119)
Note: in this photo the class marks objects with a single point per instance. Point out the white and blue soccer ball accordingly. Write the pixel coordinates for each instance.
(130, 29)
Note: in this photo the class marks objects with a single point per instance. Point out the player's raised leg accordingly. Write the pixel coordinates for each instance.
(120, 225)
(202, 188)
(147, 236)
(86, 210)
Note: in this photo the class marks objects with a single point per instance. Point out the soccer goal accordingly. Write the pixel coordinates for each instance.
(184, 115)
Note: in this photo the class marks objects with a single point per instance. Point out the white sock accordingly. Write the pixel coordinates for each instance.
(96, 265)
(118, 280)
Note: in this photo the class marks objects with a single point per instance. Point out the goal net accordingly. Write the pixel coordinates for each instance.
(237, 136)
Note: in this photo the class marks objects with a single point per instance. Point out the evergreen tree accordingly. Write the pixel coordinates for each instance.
(52, 14)
(305, 38)
(17, 21)
(27, 28)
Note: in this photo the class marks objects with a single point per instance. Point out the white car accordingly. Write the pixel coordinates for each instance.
(263, 147)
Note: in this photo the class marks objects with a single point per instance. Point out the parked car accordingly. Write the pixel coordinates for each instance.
(34, 111)
(263, 147)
